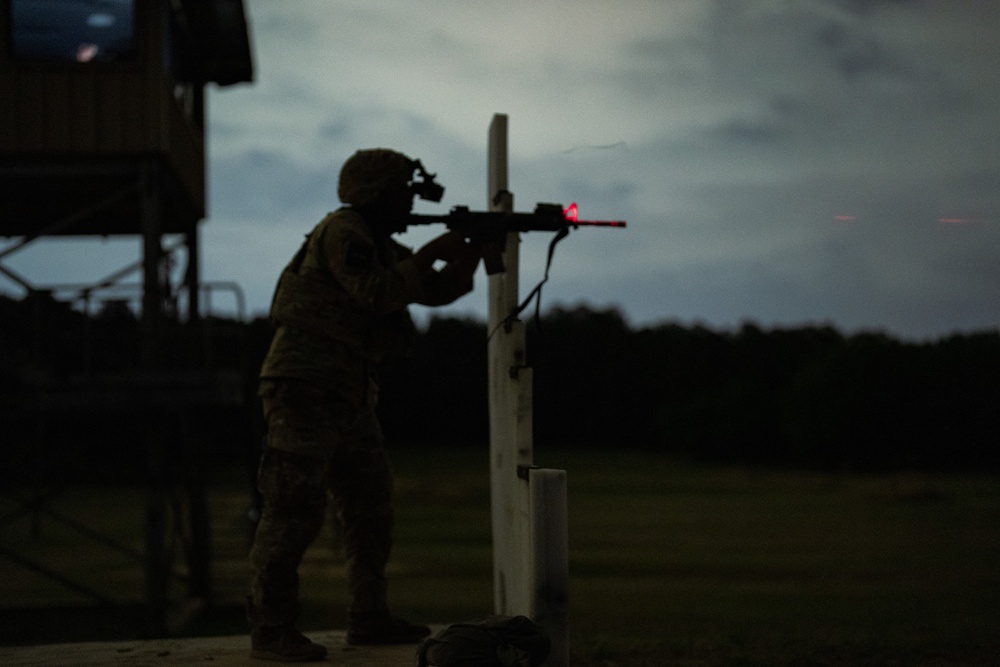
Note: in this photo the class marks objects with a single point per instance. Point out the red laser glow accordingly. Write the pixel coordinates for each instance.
(572, 213)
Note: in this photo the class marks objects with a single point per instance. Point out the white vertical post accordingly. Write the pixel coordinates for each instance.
(549, 582)
(510, 404)
(530, 552)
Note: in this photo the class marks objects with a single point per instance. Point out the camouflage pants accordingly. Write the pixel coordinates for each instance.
(296, 487)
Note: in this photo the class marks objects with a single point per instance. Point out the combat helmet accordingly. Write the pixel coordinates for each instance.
(371, 173)
(375, 172)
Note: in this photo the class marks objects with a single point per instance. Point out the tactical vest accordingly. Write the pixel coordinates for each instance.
(316, 303)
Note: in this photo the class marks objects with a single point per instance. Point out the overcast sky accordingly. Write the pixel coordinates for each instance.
(785, 162)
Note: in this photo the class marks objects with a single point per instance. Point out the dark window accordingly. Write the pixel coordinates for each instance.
(77, 30)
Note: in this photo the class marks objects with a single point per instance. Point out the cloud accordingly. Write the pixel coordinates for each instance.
(730, 134)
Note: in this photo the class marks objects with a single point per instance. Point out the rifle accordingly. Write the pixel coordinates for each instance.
(489, 229)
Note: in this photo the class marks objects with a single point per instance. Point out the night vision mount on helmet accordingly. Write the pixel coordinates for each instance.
(426, 188)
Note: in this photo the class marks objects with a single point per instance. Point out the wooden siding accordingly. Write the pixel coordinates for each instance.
(96, 114)
(72, 113)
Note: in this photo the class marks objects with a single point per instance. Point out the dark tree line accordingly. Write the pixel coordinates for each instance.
(808, 396)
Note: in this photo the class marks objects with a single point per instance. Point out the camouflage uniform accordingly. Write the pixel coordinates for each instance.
(339, 308)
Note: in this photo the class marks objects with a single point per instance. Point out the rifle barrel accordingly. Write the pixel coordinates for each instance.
(537, 221)
(599, 223)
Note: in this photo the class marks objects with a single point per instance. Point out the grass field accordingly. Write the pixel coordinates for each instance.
(670, 564)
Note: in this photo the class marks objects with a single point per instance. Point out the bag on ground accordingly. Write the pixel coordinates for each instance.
(494, 641)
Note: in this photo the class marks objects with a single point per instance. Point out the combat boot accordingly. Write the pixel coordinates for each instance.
(381, 627)
(283, 643)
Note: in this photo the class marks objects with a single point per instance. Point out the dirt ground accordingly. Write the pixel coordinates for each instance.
(227, 651)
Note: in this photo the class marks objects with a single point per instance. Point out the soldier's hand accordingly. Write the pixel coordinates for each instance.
(447, 247)
(466, 260)
(460, 270)
(454, 280)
